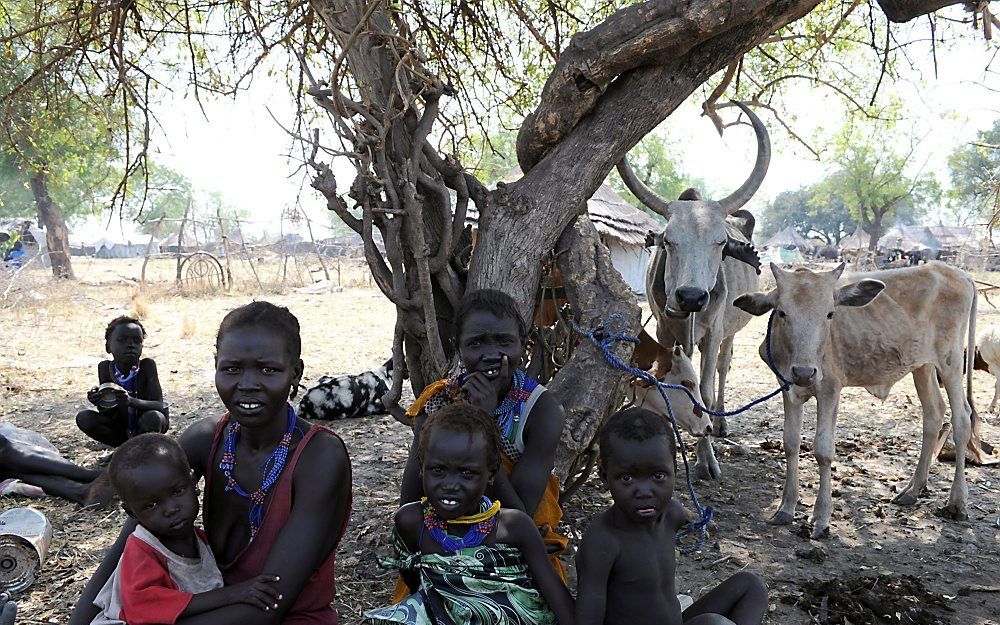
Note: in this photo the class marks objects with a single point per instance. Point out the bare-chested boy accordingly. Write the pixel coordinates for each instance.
(626, 564)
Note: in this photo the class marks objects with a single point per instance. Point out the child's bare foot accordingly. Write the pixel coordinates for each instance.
(99, 493)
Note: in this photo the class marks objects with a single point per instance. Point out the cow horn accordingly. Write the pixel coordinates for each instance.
(743, 252)
(639, 189)
(741, 196)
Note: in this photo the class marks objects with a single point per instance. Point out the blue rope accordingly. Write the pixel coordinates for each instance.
(614, 331)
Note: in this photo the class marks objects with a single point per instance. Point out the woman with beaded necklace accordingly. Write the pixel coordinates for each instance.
(491, 343)
(275, 485)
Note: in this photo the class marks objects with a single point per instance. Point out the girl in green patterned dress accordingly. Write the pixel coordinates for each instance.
(466, 560)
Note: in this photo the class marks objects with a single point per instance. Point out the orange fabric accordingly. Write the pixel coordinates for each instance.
(402, 591)
(428, 392)
(547, 515)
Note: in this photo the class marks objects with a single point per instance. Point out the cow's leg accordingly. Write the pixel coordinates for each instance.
(932, 405)
(709, 348)
(961, 426)
(996, 395)
(719, 424)
(824, 448)
(707, 466)
(792, 438)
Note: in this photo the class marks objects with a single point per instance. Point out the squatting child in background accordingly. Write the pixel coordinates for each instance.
(466, 560)
(625, 564)
(167, 570)
(129, 400)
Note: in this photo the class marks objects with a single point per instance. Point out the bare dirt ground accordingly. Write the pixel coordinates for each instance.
(53, 338)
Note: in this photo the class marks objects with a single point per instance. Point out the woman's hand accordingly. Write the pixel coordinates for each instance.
(482, 391)
(259, 592)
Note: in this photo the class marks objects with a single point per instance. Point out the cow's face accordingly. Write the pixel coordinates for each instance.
(679, 371)
(693, 242)
(805, 304)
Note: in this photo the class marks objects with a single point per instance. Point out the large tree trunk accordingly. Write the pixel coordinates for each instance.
(56, 233)
(588, 387)
(906, 10)
(874, 228)
(610, 87)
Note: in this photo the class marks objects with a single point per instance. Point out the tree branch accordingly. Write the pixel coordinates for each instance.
(906, 10)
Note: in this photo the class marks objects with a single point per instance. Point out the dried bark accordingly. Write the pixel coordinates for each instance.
(56, 233)
(906, 10)
(588, 387)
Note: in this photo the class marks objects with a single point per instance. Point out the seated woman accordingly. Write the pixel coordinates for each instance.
(275, 485)
(491, 343)
(29, 458)
(464, 559)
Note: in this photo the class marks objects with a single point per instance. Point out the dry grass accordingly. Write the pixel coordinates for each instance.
(53, 336)
(140, 307)
(188, 326)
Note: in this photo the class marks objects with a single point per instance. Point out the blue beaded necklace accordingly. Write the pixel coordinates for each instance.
(128, 383)
(509, 411)
(482, 525)
(121, 378)
(271, 469)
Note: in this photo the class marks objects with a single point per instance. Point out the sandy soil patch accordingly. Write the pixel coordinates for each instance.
(53, 338)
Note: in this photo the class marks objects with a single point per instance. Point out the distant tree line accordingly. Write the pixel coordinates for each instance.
(873, 184)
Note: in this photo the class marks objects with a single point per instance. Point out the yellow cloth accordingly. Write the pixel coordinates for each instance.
(428, 392)
(547, 515)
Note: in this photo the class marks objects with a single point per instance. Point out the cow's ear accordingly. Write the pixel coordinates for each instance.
(859, 293)
(838, 271)
(654, 239)
(757, 303)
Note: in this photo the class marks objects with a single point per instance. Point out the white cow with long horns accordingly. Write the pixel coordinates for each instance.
(704, 260)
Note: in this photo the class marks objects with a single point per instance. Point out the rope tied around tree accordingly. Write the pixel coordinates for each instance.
(614, 330)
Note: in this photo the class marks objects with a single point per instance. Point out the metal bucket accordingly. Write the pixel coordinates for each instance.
(25, 536)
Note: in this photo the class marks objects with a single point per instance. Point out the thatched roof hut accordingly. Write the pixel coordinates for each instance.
(857, 241)
(617, 219)
(909, 239)
(955, 238)
(788, 238)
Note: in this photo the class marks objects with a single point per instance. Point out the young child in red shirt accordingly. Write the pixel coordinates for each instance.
(167, 570)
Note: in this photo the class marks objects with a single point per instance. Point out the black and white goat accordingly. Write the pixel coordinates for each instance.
(347, 396)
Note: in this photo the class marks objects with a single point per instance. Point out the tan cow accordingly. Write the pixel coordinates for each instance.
(870, 330)
(674, 368)
(988, 359)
